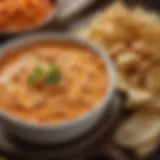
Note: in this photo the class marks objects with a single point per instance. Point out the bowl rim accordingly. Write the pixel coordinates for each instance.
(42, 23)
(22, 41)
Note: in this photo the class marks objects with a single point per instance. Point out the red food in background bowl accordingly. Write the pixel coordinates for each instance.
(24, 15)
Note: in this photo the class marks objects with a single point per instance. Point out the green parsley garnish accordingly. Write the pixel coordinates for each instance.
(53, 76)
(36, 76)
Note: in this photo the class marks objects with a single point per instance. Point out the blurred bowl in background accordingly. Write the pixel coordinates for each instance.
(40, 23)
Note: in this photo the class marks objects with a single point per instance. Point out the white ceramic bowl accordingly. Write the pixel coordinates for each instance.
(63, 132)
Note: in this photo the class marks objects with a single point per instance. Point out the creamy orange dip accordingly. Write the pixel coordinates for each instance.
(83, 84)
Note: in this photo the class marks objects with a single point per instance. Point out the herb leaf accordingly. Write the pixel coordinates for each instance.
(36, 76)
(54, 74)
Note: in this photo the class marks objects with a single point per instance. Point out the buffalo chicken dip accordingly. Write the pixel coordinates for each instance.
(51, 82)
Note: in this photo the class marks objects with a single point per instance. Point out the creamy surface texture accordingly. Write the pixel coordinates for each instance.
(83, 83)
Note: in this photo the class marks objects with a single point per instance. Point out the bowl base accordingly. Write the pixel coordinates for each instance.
(91, 143)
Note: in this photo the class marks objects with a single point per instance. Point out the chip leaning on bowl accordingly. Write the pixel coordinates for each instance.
(132, 37)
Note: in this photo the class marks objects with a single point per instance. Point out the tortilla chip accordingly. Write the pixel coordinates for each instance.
(138, 129)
